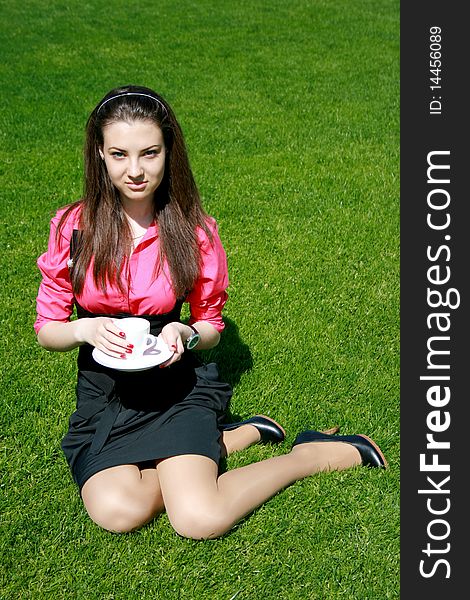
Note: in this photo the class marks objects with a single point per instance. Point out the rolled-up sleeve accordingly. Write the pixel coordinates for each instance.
(209, 295)
(55, 297)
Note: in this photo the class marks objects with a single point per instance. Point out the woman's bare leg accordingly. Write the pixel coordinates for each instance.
(200, 504)
(247, 435)
(240, 438)
(126, 497)
(123, 498)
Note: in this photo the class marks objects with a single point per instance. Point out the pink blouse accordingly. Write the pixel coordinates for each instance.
(145, 294)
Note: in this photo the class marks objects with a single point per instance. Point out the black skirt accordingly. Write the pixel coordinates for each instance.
(134, 417)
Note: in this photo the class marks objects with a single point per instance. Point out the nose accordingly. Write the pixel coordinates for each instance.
(134, 168)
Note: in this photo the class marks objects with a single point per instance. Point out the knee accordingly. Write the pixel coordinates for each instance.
(198, 522)
(119, 513)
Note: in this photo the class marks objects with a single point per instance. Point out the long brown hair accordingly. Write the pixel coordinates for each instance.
(105, 234)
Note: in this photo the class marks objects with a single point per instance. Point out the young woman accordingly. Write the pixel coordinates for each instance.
(140, 244)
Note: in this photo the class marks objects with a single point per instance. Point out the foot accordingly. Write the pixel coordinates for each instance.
(370, 454)
(269, 431)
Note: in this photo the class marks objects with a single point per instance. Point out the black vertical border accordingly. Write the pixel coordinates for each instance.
(421, 133)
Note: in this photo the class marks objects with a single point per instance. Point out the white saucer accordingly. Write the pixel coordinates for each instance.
(160, 353)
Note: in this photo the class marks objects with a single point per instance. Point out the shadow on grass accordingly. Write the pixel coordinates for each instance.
(233, 357)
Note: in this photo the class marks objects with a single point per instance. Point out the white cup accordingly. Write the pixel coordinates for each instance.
(138, 334)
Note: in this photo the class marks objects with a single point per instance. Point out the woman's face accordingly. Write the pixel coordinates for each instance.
(134, 154)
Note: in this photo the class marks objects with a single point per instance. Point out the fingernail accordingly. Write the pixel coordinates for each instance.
(129, 351)
(130, 345)
(122, 334)
(173, 346)
(122, 356)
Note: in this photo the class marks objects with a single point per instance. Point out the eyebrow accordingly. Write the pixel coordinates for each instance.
(143, 149)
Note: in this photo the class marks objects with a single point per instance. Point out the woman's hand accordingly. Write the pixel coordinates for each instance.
(100, 332)
(175, 335)
(104, 334)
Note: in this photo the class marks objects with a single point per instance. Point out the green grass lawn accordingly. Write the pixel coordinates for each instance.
(291, 116)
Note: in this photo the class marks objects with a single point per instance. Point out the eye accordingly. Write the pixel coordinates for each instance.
(117, 154)
(151, 153)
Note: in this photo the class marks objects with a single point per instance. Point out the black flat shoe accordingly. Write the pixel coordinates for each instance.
(268, 429)
(371, 455)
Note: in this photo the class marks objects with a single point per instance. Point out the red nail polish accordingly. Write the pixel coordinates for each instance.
(129, 350)
(173, 346)
(122, 334)
(130, 345)
(122, 356)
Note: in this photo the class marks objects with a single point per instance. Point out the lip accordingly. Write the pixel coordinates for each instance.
(136, 187)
